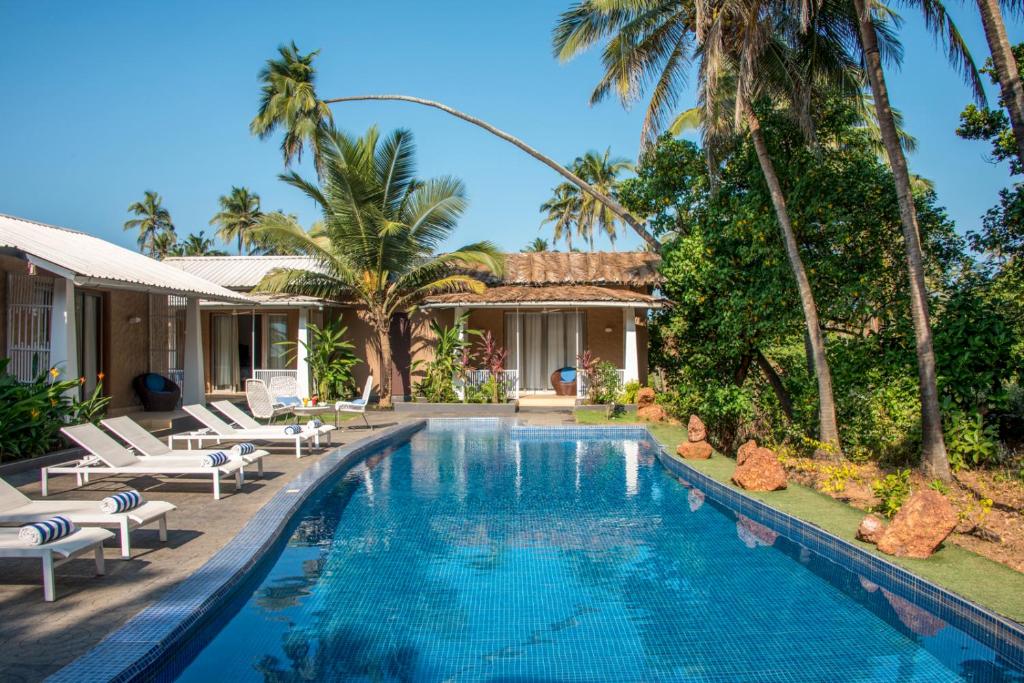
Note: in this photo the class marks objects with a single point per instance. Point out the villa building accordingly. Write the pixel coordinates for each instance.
(87, 307)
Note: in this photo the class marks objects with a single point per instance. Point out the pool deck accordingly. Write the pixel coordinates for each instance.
(39, 637)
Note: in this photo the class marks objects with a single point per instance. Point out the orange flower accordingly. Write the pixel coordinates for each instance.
(100, 376)
(81, 380)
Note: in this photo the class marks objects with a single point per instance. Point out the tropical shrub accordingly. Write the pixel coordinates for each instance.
(892, 491)
(629, 392)
(604, 383)
(970, 441)
(331, 359)
(32, 413)
(450, 362)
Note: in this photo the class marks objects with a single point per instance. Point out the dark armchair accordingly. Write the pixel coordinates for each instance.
(157, 393)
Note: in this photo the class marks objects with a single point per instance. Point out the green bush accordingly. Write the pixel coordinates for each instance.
(32, 413)
(604, 383)
(629, 392)
(331, 359)
(450, 362)
(970, 441)
(892, 492)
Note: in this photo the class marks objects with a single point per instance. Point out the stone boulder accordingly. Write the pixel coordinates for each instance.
(645, 397)
(651, 413)
(760, 471)
(871, 529)
(695, 430)
(699, 450)
(745, 450)
(921, 525)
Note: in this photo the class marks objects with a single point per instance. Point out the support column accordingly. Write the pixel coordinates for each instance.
(460, 389)
(194, 389)
(63, 331)
(301, 360)
(631, 354)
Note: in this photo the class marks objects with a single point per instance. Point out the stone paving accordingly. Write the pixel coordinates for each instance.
(39, 637)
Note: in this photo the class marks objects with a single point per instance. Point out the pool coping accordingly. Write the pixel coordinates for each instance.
(137, 649)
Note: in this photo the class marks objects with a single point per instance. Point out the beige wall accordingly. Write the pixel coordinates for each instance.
(608, 346)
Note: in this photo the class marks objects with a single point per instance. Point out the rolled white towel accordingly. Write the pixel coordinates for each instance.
(242, 449)
(315, 423)
(292, 430)
(215, 459)
(47, 531)
(121, 502)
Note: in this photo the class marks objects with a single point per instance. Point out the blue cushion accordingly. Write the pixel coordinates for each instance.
(567, 374)
(358, 401)
(288, 400)
(154, 382)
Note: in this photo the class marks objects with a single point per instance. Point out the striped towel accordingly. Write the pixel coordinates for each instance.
(215, 459)
(292, 430)
(315, 423)
(240, 449)
(47, 531)
(121, 502)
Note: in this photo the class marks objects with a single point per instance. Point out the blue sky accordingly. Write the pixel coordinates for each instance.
(105, 100)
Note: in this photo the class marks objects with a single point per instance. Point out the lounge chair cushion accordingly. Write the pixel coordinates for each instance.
(215, 459)
(288, 400)
(47, 531)
(122, 501)
(243, 449)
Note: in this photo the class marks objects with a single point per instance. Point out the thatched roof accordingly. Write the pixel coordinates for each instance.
(628, 269)
(551, 295)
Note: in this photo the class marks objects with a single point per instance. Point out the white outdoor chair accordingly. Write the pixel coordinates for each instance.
(57, 552)
(109, 457)
(16, 508)
(243, 421)
(358, 405)
(284, 390)
(149, 446)
(261, 403)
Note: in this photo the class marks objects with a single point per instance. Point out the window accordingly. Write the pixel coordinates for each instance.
(277, 332)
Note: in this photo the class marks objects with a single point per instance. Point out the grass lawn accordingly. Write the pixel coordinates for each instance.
(988, 583)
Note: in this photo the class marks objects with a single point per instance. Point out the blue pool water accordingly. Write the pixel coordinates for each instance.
(465, 555)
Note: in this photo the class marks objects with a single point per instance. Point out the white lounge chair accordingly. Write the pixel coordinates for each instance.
(57, 552)
(149, 446)
(358, 405)
(16, 508)
(109, 457)
(217, 430)
(243, 421)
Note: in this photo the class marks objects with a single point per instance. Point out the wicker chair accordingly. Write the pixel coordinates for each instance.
(284, 389)
(564, 381)
(157, 393)
(261, 402)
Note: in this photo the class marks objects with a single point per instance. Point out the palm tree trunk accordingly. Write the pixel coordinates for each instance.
(934, 461)
(383, 328)
(1006, 69)
(828, 430)
(612, 205)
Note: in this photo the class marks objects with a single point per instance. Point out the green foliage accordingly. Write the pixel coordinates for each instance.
(604, 383)
(449, 364)
(892, 491)
(331, 359)
(993, 125)
(629, 392)
(939, 486)
(32, 413)
(970, 442)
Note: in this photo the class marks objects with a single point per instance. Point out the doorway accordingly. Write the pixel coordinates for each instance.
(88, 331)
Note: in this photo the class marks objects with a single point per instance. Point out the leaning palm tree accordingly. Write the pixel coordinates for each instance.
(870, 20)
(238, 216)
(290, 102)
(562, 210)
(602, 172)
(151, 220)
(379, 234)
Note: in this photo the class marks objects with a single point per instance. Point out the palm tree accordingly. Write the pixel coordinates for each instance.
(238, 216)
(380, 231)
(197, 245)
(1005, 67)
(934, 460)
(151, 220)
(164, 244)
(602, 172)
(563, 210)
(289, 100)
(537, 246)
(748, 52)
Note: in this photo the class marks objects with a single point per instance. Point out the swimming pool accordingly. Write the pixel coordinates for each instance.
(488, 554)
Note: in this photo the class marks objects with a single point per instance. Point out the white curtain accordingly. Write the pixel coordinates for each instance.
(533, 351)
(225, 352)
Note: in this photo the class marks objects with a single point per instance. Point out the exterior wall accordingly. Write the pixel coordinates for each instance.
(489, 319)
(126, 345)
(608, 346)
